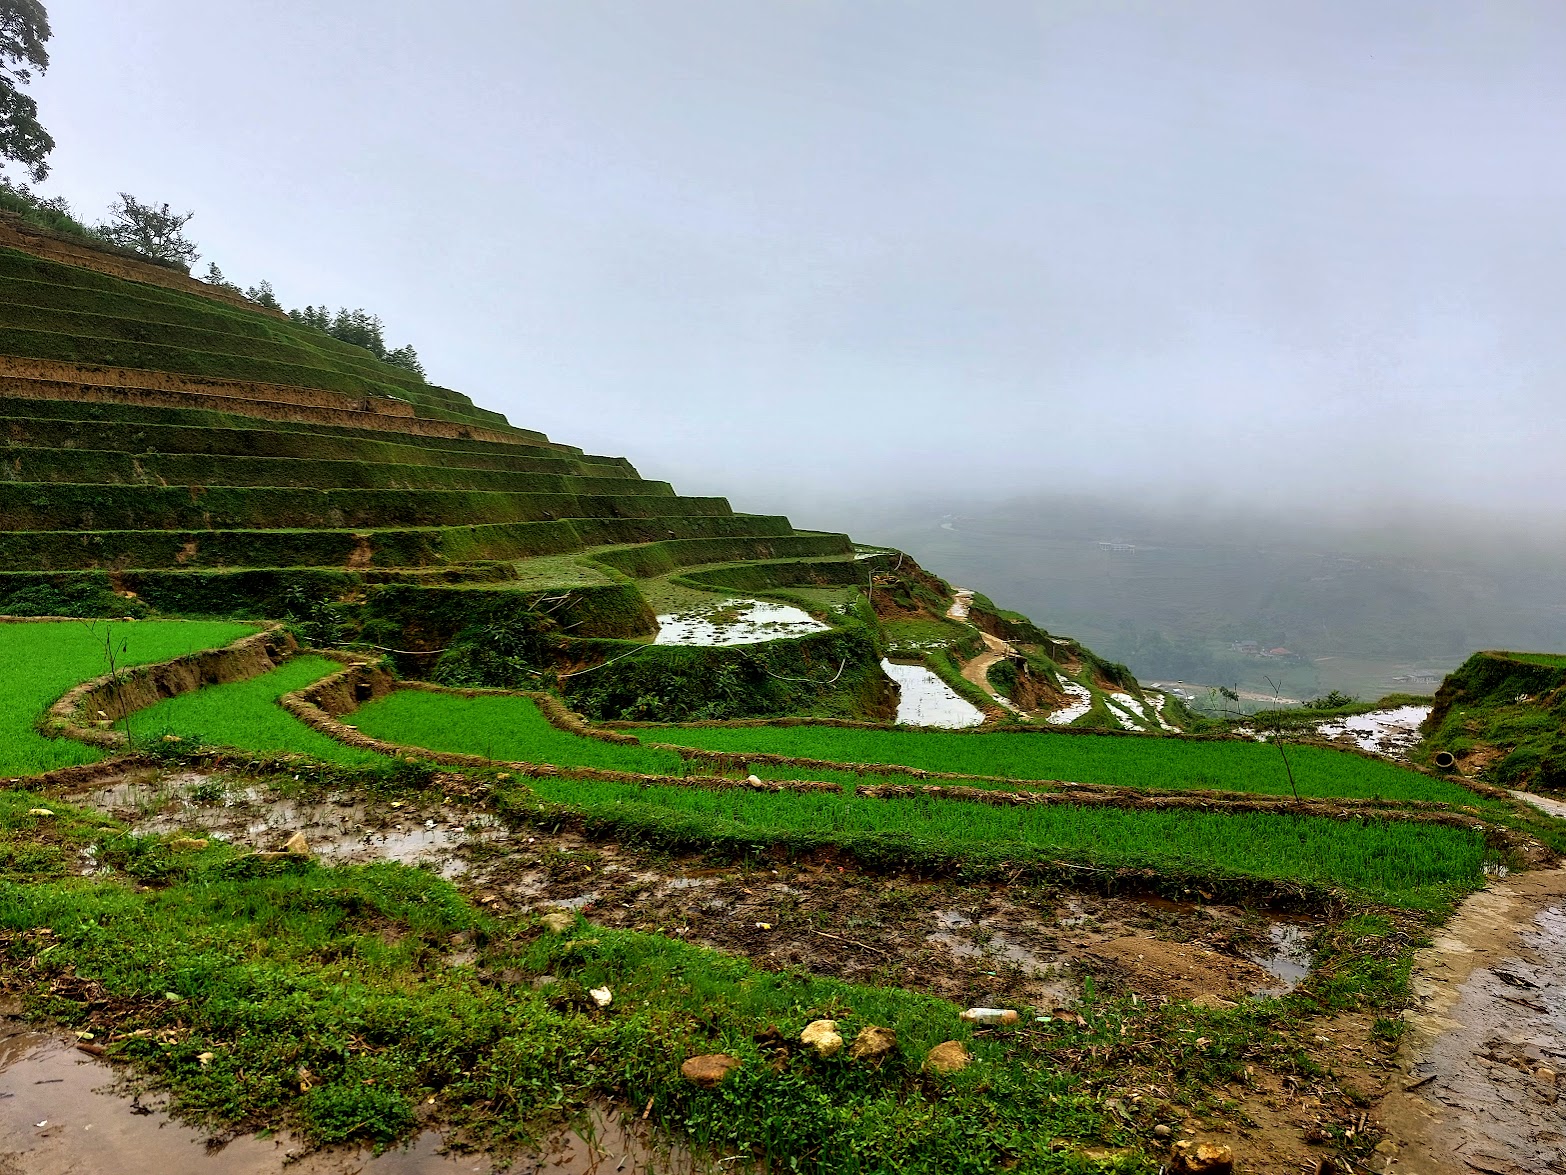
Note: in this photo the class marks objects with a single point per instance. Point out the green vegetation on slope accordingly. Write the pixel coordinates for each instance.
(41, 660)
(245, 714)
(1124, 761)
(1503, 715)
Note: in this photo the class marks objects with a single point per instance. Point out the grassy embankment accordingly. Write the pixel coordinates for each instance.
(1503, 715)
(40, 661)
(245, 714)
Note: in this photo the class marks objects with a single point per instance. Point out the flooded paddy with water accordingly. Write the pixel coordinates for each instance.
(925, 700)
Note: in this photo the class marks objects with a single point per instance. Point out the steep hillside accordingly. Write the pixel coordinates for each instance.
(174, 450)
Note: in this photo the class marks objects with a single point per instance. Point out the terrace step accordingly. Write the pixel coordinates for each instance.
(434, 546)
(21, 387)
(28, 506)
(651, 559)
(66, 424)
(24, 463)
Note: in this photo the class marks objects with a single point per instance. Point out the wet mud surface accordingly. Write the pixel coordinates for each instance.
(1028, 947)
(1487, 1039)
(1023, 945)
(64, 1113)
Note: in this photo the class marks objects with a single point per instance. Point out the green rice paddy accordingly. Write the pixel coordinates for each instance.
(1403, 864)
(245, 714)
(510, 727)
(1417, 866)
(41, 660)
(499, 726)
(1227, 765)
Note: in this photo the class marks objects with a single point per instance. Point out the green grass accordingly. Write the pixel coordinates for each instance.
(1552, 660)
(1416, 866)
(1120, 761)
(245, 714)
(284, 969)
(499, 726)
(40, 661)
(1400, 864)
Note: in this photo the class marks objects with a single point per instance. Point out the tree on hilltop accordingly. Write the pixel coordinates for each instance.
(262, 295)
(153, 230)
(24, 27)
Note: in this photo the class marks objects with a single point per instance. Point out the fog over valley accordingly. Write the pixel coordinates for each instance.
(1225, 278)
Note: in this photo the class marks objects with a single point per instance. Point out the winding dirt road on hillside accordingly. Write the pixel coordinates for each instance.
(996, 650)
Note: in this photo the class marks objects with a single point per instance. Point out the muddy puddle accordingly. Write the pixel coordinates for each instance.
(925, 700)
(735, 622)
(339, 829)
(65, 1113)
(1391, 733)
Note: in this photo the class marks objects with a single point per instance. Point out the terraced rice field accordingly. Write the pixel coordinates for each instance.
(41, 660)
(1418, 866)
(1228, 765)
(245, 714)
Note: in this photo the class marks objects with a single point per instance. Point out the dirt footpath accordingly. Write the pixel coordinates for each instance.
(1487, 1039)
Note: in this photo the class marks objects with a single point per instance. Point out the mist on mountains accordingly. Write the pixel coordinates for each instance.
(1386, 598)
(1272, 293)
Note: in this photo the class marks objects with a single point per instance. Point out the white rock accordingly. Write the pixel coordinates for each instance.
(1001, 1016)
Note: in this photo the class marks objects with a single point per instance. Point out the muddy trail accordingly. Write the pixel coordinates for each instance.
(977, 670)
(1487, 1039)
(994, 945)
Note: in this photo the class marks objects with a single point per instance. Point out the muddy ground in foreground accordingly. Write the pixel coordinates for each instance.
(1020, 946)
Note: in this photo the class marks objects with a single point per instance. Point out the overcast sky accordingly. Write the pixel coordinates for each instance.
(802, 249)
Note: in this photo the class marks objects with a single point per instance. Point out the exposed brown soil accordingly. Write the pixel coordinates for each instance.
(16, 233)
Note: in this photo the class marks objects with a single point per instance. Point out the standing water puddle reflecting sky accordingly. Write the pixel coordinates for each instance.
(735, 622)
(925, 700)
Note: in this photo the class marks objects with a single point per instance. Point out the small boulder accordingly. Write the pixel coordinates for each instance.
(188, 844)
(753, 780)
(39, 812)
(602, 996)
(872, 1044)
(1205, 1158)
(558, 921)
(995, 1017)
(297, 846)
(948, 1057)
(708, 1071)
(822, 1036)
